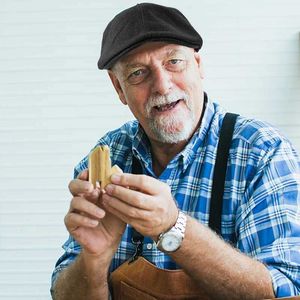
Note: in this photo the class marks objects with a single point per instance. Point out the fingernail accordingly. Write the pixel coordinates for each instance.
(99, 213)
(115, 178)
(94, 222)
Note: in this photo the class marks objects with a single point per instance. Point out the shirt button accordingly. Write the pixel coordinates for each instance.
(149, 246)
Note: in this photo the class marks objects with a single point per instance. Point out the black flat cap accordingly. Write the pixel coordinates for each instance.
(141, 23)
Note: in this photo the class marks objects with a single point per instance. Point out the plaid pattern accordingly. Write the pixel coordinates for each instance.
(261, 207)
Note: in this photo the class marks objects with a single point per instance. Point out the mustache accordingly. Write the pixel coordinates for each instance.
(160, 100)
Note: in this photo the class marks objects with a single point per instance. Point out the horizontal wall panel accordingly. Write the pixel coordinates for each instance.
(55, 105)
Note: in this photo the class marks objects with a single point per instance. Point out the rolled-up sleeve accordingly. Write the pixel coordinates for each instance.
(72, 249)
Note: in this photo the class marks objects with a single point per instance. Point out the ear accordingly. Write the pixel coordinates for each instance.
(116, 83)
(199, 64)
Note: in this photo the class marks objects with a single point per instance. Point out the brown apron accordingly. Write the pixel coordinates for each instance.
(143, 280)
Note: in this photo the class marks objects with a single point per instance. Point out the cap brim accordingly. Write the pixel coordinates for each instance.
(108, 64)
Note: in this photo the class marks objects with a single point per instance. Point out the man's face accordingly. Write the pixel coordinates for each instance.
(161, 84)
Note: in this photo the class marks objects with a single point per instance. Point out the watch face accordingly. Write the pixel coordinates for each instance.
(171, 242)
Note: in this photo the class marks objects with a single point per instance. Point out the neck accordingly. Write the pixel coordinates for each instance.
(163, 153)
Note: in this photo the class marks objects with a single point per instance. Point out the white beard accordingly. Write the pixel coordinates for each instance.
(173, 128)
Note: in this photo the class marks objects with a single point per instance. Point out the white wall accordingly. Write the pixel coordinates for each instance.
(55, 104)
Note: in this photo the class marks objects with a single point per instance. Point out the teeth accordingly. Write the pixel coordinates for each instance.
(160, 106)
(167, 106)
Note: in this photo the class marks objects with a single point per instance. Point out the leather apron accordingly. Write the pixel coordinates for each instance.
(138, 278)
(143, 280)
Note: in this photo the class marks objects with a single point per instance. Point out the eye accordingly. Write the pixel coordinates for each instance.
(137, 76)
(175, 61)
(175, 64)
(136, 73)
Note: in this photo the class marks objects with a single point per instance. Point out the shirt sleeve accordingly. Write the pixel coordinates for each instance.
(72, 249)
(268, 219)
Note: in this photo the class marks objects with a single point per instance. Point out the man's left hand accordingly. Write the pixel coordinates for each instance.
(141, 201)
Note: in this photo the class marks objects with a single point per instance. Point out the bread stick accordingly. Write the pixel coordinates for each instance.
(100, 169)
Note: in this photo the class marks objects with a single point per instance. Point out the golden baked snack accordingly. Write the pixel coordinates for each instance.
(100, 169)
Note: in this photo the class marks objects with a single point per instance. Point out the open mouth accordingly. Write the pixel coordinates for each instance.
(166, 107)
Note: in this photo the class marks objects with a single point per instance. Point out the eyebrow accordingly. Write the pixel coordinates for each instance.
(171, 52)
(132, 65)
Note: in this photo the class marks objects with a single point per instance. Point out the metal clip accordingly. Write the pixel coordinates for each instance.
(138, 250)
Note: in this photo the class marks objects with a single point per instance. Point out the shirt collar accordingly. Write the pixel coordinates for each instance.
(141, 144)
(199, 137)
(141, 147)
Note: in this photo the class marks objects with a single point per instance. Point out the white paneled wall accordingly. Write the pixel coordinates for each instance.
(55, 104)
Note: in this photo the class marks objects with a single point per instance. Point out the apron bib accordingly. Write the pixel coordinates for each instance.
(143, 280)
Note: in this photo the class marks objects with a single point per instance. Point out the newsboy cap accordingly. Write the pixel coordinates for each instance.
(142, 23)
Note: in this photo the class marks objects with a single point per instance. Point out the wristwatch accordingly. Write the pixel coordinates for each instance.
(171, 240)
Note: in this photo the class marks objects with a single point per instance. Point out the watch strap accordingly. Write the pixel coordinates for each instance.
(178, 229)
(180, 224)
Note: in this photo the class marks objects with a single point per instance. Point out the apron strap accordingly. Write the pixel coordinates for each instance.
(137, 239)
(220, 167)
(216, 202)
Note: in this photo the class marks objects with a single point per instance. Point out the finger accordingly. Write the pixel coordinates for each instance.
(128, 212)
(74, 220)
(144, 226)
(92, 196)
(81, 205)
(79, 187)
(131, 197)
(143, 183)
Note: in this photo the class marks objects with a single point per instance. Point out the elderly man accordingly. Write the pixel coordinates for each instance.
(146, 236)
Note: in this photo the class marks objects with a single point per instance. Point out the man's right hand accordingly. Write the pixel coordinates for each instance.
(98, 232)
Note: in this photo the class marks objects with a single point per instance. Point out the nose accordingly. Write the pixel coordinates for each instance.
(161, 82)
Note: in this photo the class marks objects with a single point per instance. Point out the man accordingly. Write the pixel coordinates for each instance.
(151, 53)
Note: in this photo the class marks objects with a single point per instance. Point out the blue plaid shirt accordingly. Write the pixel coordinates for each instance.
(261, 206)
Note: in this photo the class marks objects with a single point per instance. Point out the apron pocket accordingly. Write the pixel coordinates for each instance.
(130, 293)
